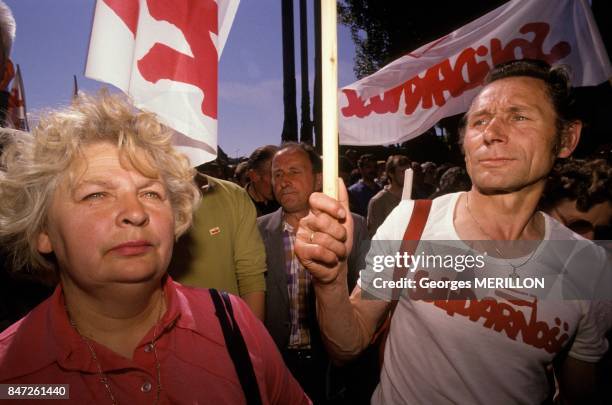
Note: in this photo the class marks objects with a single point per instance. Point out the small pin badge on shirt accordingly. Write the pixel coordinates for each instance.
(214, 231)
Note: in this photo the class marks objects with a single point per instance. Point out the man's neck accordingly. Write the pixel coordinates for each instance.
(293, 218)
(252, 191)
(395, 189)
(510, 216)
(255, 194)
(117, 317)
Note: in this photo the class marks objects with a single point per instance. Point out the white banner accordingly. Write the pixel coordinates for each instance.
(408, 96)
(164, 54)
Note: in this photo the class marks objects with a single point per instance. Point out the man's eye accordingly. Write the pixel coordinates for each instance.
(479, 122)
(519, 117)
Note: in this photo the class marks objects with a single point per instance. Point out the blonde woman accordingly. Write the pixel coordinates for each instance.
(96, 197)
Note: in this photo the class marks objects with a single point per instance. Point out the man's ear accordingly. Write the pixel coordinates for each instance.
(318, 182)
(252, 175)
(569, 139)
(43, 243)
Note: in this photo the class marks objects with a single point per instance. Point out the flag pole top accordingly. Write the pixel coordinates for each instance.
(329, 102)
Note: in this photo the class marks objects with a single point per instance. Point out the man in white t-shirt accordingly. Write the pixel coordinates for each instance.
(491, 349)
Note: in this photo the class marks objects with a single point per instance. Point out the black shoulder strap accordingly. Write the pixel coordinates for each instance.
(236, 346)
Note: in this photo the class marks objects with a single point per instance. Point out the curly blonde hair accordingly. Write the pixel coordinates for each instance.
(33, 165)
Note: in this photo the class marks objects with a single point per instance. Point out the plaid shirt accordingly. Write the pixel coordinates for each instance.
(298, 284)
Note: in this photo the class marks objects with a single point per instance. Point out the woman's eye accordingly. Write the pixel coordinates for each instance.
(153, 194)
(94, 196)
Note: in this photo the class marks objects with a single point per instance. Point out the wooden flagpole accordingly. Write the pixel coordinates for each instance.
(329, 102)
(75, 88)
(23, 97)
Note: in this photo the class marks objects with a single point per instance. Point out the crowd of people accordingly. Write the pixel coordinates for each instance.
(375, 186)
(135, 278)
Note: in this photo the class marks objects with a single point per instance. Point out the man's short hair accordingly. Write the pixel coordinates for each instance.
(455, 179)
(241, 169)
(588, 182)
(366, 158)
(313, 156)
(344, 165)
(7, 29)
(351, 152)
(428, 166)
(393, 162)
(260, 156)
(556, 80)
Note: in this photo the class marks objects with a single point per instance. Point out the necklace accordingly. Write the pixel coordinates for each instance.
(103, 378)
(514, 267)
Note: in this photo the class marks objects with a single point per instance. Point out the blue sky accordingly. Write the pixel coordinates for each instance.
(53, 37)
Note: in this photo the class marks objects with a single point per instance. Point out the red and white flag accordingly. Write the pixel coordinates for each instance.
(408, 96)
(165, 54)
(17, 116)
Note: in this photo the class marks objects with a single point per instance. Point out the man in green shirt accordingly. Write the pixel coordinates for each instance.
(223, 249)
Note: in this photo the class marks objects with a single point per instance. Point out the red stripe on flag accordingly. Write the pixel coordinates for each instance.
(127, 10)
